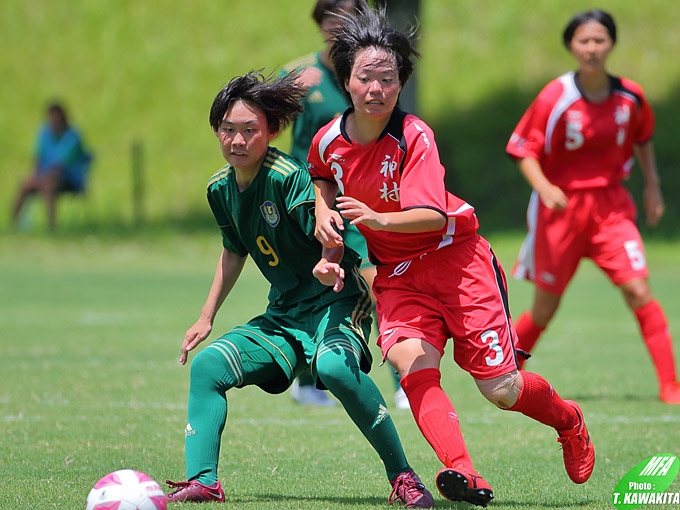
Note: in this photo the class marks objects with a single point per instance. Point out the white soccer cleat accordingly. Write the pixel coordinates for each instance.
(310, 396)
(401, 400)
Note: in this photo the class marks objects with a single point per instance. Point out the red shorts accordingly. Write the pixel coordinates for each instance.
(457, 292)
(597, 223)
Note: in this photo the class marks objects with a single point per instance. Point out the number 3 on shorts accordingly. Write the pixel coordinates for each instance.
(491, 337)
(635, 255)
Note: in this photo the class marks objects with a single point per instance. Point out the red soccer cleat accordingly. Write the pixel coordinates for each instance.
(408, 489)
(670, 393)
(577, 449)
(193, 490)
(464, 484)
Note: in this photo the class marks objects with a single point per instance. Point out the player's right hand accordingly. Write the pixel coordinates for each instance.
(328, 227)
(553, 198)
(194, 336)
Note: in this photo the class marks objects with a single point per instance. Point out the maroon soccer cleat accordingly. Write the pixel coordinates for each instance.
(408, 489)
(464, 484)
(577, 449)
(195, 491)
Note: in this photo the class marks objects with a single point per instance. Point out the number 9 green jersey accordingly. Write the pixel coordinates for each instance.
(273, 221)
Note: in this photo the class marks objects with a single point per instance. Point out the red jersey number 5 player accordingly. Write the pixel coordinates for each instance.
(575, 144)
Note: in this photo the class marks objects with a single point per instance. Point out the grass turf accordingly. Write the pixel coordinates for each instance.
(90, 384)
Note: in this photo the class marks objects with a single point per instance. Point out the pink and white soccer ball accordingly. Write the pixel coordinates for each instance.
(126, 489)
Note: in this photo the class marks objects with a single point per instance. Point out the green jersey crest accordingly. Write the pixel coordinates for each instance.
(270, 213)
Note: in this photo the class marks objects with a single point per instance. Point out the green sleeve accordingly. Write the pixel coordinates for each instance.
(230, 238)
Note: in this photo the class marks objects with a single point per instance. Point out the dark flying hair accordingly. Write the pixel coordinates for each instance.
(368, 28)
(601, 17)
(278, 98)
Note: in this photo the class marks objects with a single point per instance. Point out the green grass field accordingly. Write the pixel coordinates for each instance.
(89, 383)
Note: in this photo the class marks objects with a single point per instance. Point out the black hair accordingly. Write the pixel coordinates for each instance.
(56, 108)
(278, 98)
(368, 28)
(324, 8)
(602, 17)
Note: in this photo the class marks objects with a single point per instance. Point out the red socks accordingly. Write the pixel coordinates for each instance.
(657, 338)
(435, 416)
(527, 334)
(538, 400)
(437, 419)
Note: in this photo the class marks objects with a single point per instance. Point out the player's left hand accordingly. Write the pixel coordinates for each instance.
(358, 212)
(654, 204)
(330, 274)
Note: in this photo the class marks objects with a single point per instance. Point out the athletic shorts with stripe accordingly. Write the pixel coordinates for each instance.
(273, 348)
(598, 224)
(457, 292)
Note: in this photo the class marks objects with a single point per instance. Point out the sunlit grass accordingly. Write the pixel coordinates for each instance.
(90, 383)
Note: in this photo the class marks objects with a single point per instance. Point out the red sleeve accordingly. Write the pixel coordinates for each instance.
(422, 180)
(317, 167)
(528, 138)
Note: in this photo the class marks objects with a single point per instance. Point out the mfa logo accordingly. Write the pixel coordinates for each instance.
(270, 213)
(647, 482)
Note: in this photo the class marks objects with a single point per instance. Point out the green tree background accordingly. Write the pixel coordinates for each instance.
(146, 73)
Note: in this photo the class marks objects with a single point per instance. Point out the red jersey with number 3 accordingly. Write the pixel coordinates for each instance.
(400, 170)
(581, 144)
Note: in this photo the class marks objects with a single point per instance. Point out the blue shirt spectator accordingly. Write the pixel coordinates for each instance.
(61, 164)
(65, 151)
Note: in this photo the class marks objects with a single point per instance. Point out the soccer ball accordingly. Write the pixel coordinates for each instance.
(126, 489)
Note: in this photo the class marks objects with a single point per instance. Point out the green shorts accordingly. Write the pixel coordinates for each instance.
(292, 337)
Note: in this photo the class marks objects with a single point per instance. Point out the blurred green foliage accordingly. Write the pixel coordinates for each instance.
(146, 72)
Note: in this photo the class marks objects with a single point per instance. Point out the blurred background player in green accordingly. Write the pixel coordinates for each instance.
(60, 164)
(324, 100)
(263, 201)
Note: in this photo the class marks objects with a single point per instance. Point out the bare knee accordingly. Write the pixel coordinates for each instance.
(636, 293)
(413, 354)
(502, 391)
(29, 185)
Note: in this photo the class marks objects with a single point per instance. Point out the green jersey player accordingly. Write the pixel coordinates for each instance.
(263, 201)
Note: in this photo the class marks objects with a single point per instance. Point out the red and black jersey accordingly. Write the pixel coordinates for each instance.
(581, 144)
(400, 170)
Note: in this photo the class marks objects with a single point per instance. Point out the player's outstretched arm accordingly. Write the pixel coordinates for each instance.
(328, 270)
(411, 221)
(328, 221)
(228, 270)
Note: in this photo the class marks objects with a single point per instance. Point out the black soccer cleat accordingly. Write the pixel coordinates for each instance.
(464, 485)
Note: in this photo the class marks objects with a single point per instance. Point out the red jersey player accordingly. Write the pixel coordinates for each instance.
(574, 145)
(437, 278)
